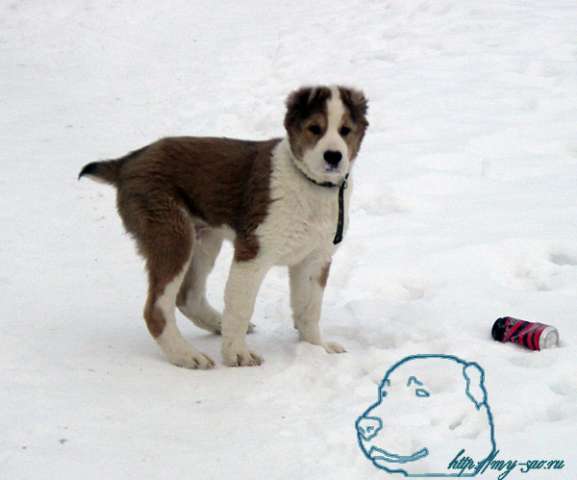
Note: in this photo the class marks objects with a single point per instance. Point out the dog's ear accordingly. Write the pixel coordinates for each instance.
(356, 103)
(303, 102)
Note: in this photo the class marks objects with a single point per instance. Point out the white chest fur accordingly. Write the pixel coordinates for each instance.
(302, 217)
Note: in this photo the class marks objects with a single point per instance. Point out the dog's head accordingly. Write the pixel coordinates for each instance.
(325, 127)
(429, 408)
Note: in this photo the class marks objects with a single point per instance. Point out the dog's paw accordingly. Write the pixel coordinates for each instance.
(190, 359)
(210, 320)
(334, 347)
(204, 317)
(217, 328)
(240, 357)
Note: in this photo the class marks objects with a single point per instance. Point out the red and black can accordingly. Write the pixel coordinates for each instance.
(534, 336)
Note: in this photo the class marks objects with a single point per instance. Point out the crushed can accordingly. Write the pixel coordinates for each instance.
(531, 335)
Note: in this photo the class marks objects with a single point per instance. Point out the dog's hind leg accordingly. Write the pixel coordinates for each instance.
(165, 239)
(191, 299)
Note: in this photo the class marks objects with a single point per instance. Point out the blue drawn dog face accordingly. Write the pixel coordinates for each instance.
(429, 407)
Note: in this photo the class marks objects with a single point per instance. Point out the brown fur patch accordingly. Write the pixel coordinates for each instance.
(305, 107)
(324, 276)
(155, 321)
(356, 103)
(245, 248)
(217, 180)
(356, 106)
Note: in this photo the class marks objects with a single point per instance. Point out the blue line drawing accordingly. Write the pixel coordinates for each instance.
(413, 379)
(414, 399)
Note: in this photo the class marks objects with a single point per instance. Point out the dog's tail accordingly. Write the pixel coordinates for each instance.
(108, 171)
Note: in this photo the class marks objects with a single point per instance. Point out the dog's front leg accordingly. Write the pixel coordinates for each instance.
(307, 285)
(240, 293)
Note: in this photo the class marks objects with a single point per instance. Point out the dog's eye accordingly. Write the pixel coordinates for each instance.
(344, 131)
(314, 129)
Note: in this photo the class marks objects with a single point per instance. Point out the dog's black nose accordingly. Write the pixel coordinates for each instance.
(333, 157)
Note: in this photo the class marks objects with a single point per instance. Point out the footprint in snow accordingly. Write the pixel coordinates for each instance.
(562, 259)
(564, 387)
(552, 272)
(530, 360)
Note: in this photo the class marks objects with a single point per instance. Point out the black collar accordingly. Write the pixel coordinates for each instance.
(341, 220)
(321, 184)
(342, 187)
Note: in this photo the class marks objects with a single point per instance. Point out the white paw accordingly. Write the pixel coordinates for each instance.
(240, 356)
(211, 324)
(209, 320)
(334, 347)
(216, 327)
(190, 359)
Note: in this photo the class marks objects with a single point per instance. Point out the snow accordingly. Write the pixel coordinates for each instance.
(464, 210)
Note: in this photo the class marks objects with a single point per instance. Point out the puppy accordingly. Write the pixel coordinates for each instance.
(280, 202)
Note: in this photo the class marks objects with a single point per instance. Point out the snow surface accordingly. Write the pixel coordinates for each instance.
(465, 209)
